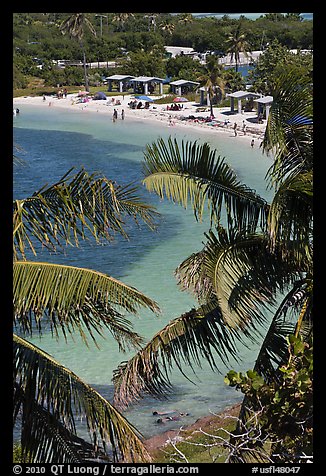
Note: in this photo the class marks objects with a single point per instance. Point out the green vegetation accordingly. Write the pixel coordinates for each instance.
(283, 408)
(136, 43)
(196, 444)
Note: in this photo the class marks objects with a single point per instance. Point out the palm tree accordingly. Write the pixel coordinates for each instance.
(185, 18)
(121, 18)
(168, 26)
(151, 20)
(213, 80)
(263, 249)
(75, 26)
(48, 397)
(237, 44)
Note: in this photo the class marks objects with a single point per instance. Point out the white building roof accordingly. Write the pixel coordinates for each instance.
(177, 50)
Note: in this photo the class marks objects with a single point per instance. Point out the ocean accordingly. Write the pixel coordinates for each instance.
(250, 16)
(54, 141)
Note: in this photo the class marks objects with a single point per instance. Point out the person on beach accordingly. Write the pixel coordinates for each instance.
(167, 419)
(244, 127)
(170, 412)
(171, 418)
(122, 114)
(115, 115)
(252, 143)
(235, 129)
(167, 412)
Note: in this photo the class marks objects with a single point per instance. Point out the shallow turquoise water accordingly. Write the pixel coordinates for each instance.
(55, 140)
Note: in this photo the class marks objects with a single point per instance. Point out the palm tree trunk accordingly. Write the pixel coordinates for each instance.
(85, 67)
(211, 103)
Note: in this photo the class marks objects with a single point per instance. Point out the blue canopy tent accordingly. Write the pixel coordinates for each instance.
(99, 95)
(144, 98)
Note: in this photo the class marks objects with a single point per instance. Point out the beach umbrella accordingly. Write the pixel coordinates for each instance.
(144, 98)
(180, 99)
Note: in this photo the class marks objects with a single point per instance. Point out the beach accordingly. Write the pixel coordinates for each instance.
(223, 122)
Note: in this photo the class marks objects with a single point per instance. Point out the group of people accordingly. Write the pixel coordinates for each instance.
(169, 415)
(62, 93)
(174, 107)
(115, 115)
(134, 104)
(115, 102)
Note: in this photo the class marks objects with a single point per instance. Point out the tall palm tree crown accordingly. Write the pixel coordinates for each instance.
(75, 26)
(213, 80)
(237, 44)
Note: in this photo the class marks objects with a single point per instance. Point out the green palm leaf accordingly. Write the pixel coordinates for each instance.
(290, 218)
(75, 207)
(72, 299)
(43, 383)
(237, 269)
(197, 334)
(191, 173)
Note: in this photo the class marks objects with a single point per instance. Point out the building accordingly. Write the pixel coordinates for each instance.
(264, 105)
(120, 79)
(173, 51)
(147, 84)
(241, 96)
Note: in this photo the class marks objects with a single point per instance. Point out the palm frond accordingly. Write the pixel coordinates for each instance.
(238, 270)
(290, 127)
(71, 298)
(192, 276)
(77, 206)
(197, 334)
(47, 383)
(39, 424)
(75, 25)
(191, 173)
(290, 218)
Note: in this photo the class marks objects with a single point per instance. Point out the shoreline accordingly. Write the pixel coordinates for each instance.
(157, 443)
(159, 114)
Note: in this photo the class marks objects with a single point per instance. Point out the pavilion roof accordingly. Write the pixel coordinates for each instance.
(146, 79)
(265, 100)
(243, 94)
(182, 82)
(119, 77)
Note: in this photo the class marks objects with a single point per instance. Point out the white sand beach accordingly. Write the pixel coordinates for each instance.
(158, 112)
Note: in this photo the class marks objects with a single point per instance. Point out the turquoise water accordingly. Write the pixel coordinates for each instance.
(55, 140)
